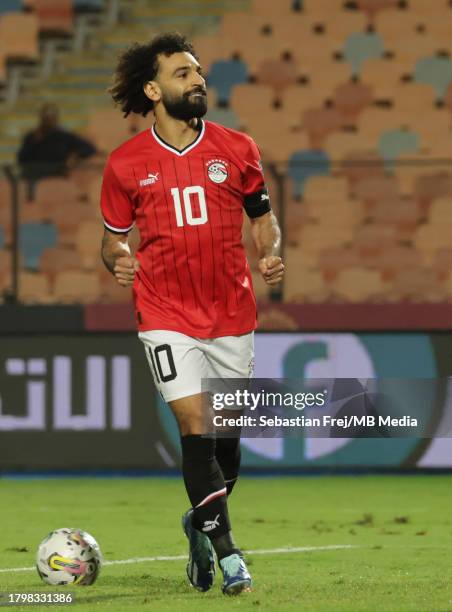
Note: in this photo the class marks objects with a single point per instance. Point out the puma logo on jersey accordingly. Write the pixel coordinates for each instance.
(150, 180)
(209, 525)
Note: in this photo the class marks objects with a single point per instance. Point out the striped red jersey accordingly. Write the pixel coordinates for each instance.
(188, 205)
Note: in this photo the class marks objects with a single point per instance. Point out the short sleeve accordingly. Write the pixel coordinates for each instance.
(116, 205)
(256, 197)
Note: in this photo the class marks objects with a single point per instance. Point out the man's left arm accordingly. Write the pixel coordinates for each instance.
(267, 240)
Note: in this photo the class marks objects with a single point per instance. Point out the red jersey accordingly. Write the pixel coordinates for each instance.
(188, 205)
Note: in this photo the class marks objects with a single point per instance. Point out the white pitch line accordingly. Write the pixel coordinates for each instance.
(264, 551)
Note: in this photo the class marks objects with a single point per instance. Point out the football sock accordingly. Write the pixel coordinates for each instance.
(224, 546)
(227, 453)
(205, 486)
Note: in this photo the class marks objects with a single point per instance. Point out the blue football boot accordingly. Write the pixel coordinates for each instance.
(236, 577)
(201, 560)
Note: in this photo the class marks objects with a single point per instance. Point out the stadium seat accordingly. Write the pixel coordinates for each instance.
(76, 287)
(351, 98)
(53, 192)
(442, 264)
(338, 145)
(87, 240)
(435, 71)
(361, 47)
(34, 288)
(277, 74)
(270, 8)
(430, 238)
(412, 96)
(58, 259)
(306, 163)
(433, 185)
(210, 48)
(54, 16)
(88, 5)
(316, 237)
(441, 211)
(325, 188)
(416, 285)
(326, 76)
(359, 164)
(248, 100)
(10, 6)
(371, 240)
(396, 142)
(357, 285)
(319, 123)
(383, 76)
(336, 212)
(33, 239)
(298, 98)
(402, 213)
(110, 292)
(107, 129)
(372, 8)
(374, 189)
(396, 259)
(302, 282)
(224, 74)
(224, 116)
(332, 260)
(19, 36)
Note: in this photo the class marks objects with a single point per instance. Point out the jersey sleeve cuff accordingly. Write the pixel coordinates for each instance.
(117, 230)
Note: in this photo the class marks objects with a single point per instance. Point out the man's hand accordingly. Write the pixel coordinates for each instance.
(272, 269)
(124, 270)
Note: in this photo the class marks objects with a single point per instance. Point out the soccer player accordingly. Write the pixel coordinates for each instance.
(185, 182)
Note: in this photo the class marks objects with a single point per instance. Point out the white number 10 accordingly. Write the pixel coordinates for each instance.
(186, 194)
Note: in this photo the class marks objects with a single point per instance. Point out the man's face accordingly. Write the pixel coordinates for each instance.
(182, 86)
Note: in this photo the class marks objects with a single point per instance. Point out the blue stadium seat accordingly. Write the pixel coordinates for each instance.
(10, 6)
(34, 238)
(434, 71)
(303, 164)
(224, 74)
(394, 143)
(362, 46)
(2, 237)
(87, 5)
(223, 116)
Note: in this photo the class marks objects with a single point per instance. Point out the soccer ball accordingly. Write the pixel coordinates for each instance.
(69, 556)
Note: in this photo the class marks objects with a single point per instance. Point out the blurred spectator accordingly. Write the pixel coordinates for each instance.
(50, 150)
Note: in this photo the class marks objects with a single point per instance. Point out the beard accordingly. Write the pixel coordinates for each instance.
(187, 106)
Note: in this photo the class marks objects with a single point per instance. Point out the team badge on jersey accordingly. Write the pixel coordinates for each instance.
(217, 170)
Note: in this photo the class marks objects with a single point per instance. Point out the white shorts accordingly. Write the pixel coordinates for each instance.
(178, 362)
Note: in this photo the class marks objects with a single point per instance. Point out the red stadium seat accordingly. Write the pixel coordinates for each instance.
(54, 15)
(19, 36)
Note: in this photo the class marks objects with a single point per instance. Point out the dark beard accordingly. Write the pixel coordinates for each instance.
(185, 108)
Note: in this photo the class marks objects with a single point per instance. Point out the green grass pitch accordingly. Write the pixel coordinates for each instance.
(399, 530)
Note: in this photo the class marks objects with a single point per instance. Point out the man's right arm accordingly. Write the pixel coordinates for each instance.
(117, 257)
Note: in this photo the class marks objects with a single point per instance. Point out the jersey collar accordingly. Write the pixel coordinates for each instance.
(187, 149)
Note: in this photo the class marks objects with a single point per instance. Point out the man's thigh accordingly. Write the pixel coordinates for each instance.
(230, 356)
(177, 363)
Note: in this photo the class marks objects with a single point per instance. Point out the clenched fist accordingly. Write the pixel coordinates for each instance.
(124, 270)
(272, 269)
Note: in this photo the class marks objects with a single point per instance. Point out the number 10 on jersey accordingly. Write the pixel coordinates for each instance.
(187, 194)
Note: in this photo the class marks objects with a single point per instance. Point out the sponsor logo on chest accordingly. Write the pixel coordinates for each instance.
(151, 179)
(217, 170)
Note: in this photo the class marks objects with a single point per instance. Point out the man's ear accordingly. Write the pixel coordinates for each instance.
(152, 91)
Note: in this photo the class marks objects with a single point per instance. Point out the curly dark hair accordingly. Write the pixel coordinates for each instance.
(137, 65)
